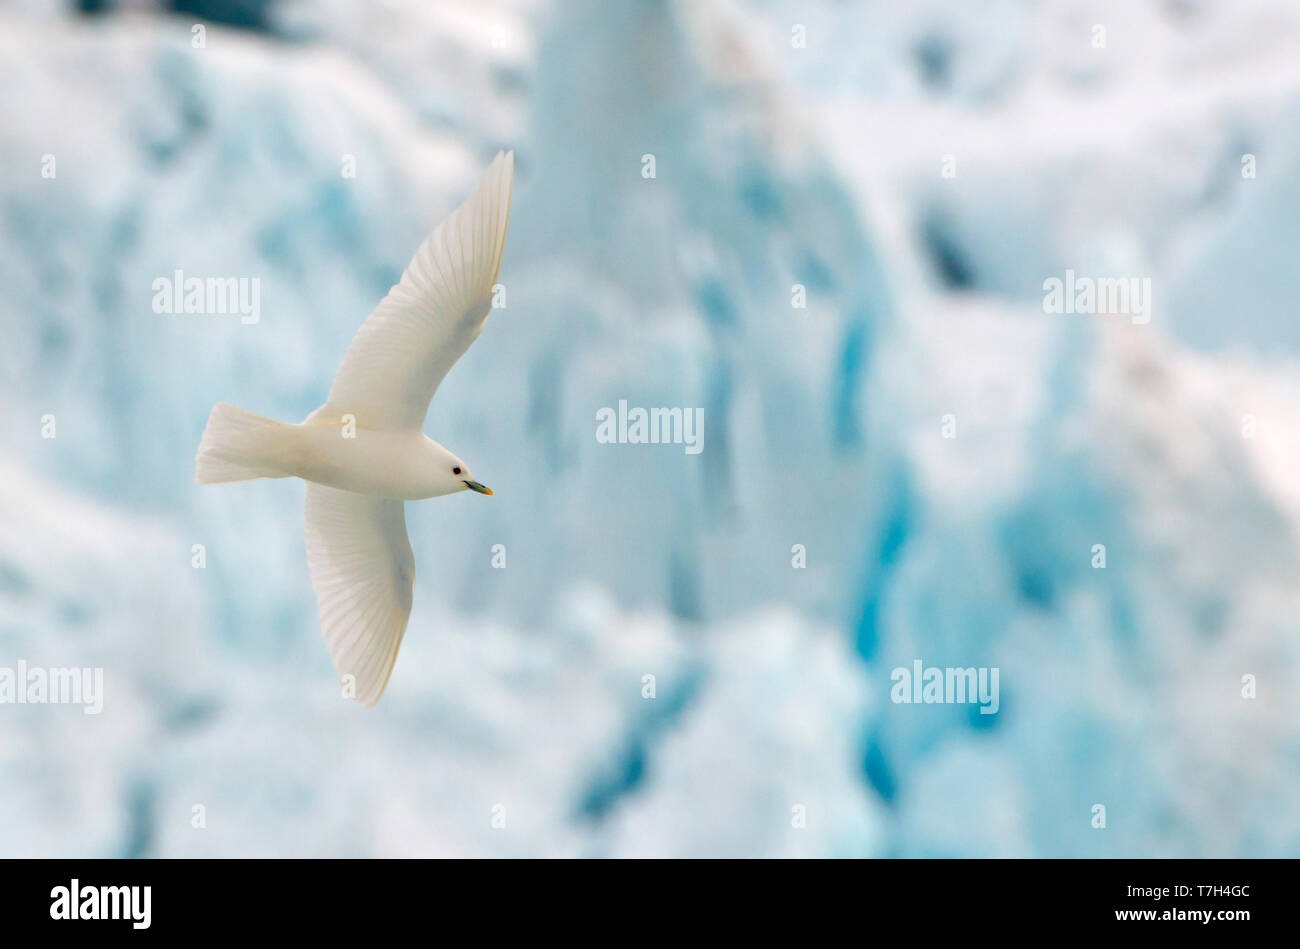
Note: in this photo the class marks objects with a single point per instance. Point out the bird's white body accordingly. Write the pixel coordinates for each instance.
(363, 453)
(402, 465)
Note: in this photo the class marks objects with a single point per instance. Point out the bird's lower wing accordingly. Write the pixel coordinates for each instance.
(407, 345)
(363, 572)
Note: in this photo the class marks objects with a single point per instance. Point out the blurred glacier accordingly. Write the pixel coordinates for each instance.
(520, 695)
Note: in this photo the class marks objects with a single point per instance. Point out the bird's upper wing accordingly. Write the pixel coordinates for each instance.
(405, 347)
(363, 572)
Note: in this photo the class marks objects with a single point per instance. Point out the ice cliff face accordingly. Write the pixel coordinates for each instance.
(649, 675)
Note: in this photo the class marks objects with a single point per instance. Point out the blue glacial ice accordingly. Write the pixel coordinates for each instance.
(520, 693)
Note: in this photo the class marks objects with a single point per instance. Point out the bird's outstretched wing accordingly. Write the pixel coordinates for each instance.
(406, 346)
(363, 572)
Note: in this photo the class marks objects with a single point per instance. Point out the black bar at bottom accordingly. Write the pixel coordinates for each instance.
(335, 898)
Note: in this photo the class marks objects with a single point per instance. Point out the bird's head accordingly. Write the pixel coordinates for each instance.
(448, 473)
(462, 480)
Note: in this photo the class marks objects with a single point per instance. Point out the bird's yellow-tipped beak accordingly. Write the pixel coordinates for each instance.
(480, 488)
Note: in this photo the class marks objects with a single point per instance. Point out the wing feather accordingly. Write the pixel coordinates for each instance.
(363, 572)
(427, 321)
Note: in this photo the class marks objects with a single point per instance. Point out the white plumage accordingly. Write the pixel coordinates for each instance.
(362, 452)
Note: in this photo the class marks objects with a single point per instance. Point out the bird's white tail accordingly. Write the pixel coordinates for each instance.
(240, 446)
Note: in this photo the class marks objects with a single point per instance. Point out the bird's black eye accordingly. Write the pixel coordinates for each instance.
(455, 470)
